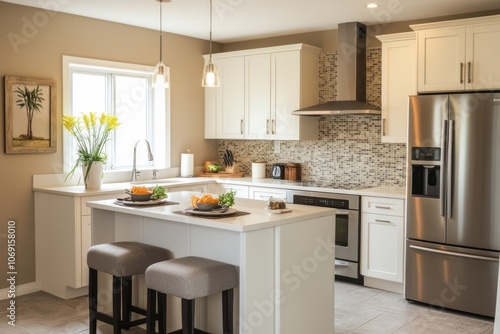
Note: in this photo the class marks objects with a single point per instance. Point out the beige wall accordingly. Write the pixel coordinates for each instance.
(56, 35)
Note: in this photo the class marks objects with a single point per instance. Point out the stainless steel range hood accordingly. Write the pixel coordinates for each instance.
(351, 76)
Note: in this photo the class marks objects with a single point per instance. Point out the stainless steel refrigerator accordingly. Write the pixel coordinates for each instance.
(453, 202)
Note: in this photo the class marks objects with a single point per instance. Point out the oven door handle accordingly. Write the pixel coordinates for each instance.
(340, 263)
(340, 212)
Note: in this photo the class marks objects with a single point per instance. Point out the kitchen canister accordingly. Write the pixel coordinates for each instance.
(258, 170)
(293, 172)
(187, 164)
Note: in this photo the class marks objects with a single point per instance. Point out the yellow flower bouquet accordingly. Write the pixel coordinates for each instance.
(91, 133)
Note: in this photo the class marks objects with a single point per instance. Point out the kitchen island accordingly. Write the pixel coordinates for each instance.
(285, 260)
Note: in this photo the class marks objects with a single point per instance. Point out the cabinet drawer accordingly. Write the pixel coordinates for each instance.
(241, 191)
(381, 205)
(264, 193)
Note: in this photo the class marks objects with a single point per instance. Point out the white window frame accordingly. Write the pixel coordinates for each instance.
(162, 134)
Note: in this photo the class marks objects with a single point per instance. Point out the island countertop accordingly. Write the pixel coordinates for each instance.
(257, 218)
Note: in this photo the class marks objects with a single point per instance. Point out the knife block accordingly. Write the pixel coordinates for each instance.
(235, 168)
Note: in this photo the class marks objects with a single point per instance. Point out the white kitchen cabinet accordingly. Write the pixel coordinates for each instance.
(382, 238)
(261, 193)
(241, 191)
(399, 80)
(62, 232)
(265, 86)
(459, 55)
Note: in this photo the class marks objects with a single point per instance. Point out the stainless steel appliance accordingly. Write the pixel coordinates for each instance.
(347, 228)
(453, 211)
(351, 76)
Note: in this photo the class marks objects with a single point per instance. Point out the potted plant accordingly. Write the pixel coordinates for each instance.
(91, 133)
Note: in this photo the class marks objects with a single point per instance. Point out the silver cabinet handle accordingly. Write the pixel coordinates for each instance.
(273, 127)
(469, 78)
(382, 207)
(461, 72)
(241, 126)
(340, 263)
(267, 126)
(475, 257)
(383, 126)
(383, 221)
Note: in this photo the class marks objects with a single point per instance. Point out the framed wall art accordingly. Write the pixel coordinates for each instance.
(30, 115)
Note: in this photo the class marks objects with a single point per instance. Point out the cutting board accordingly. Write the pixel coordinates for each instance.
(221, 174)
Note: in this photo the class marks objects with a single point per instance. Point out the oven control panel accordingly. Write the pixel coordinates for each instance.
(319, 201)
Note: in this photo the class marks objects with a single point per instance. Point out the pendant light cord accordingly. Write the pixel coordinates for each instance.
(161, 32)
(210, 29)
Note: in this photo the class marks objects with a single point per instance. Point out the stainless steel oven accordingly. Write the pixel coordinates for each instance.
(347, 228)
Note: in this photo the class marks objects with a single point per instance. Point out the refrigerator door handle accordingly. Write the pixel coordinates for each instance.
(449, 169)
(444, 145)
(468, 256)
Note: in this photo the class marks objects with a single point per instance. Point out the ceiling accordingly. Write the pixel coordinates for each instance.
(239, 20)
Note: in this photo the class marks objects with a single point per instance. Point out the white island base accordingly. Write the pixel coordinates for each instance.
(285, 261)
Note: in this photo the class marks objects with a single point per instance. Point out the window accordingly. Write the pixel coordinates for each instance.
(124, 90)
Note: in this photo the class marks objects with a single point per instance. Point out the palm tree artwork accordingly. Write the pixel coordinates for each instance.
(31, 101)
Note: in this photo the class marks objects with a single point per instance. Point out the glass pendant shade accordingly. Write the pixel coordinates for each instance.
(210, 75)
(161, 77)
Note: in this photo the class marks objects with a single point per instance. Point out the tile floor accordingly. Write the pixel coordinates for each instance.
(357, 310)
(360, 310)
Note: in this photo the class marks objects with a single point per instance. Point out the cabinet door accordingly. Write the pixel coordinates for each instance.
(258, 96)
(441, 60)
(231, 98)
(399, 80)
(382, 247)
(285, 94)
(483, 56)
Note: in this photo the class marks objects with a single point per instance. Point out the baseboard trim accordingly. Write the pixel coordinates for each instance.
(384, 285)
(22, 289)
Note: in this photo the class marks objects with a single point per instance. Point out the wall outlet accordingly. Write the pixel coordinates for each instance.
(277, 147)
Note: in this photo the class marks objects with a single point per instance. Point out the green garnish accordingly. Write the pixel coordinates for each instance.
(227, 198)
(159, 192)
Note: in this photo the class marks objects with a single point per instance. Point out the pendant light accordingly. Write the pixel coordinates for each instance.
(210, 74)
(161, 77)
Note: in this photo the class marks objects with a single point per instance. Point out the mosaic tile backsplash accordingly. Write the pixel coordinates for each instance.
(348, 151)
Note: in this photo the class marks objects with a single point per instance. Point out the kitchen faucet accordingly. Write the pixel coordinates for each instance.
(135, 172)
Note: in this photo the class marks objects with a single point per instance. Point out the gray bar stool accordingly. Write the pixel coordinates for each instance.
(122, 260)
(189, 278)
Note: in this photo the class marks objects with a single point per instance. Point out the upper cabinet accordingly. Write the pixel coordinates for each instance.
(399, 80)
(256, 98)
(459, 55)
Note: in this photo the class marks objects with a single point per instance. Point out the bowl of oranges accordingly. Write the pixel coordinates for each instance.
(140, 194)
(206, 202)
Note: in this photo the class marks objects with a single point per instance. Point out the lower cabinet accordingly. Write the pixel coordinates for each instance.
(63, 236)
(382, 238)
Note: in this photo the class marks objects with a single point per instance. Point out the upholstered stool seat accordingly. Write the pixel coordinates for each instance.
(122, 260)
(189, 278)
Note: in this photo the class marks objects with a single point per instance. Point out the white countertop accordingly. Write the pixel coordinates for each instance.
(119, 187)
(258, 218)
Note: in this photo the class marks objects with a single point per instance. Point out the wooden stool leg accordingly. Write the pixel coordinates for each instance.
(117, 283)
(126, 300)
(92, 301)
(151, 312)
(227, 311)
(187, 316)
(162, 313)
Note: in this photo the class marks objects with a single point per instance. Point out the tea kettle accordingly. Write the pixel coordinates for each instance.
(278, 171)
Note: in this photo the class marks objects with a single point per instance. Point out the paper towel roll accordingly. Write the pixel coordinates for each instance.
(187, 164)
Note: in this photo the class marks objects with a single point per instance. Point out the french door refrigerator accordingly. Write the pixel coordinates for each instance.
(453, 201)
